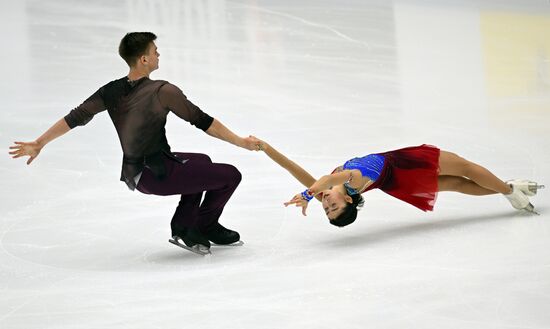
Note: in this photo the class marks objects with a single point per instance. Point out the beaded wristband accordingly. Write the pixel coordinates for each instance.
(307, 195)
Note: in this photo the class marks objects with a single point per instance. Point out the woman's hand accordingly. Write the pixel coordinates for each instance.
(260, 145)
(299, 201)
(249, 143)
(31, 149)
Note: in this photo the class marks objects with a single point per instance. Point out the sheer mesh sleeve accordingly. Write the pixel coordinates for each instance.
(172, 98)
(83, 113)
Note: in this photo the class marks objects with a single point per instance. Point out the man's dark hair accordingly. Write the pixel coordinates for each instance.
(134, 45)
(349, 214)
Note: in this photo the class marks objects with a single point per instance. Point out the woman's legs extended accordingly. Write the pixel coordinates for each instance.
(460, 175)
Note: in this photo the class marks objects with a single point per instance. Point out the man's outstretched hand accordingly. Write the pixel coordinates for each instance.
(30, 149)
(251, 143)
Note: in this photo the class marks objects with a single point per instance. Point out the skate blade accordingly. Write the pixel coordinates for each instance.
(531, 209)
(529, 188)
(198, 249)
(234, 244)
(534, 187)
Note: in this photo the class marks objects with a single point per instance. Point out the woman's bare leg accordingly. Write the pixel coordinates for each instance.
(451, 164)
(462, 185)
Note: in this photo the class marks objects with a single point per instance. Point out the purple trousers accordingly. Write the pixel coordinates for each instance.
(190, 180)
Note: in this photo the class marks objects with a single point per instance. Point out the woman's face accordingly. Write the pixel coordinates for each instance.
(334, 201)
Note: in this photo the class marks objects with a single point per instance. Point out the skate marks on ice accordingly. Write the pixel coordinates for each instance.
(305, 22)
(397, 232)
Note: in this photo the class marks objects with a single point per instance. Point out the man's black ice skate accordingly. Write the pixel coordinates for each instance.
(222, 236)
(192, 240)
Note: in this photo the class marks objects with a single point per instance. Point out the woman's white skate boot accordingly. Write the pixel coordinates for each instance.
(528, 187)
(519, 200)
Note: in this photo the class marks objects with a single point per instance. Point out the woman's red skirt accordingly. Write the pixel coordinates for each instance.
(410, 174)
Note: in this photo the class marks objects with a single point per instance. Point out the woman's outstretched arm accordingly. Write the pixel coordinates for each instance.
(294, 169)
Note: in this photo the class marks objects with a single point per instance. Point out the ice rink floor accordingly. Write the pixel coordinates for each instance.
(323, 81)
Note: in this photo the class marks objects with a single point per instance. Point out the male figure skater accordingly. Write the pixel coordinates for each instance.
(138, 108)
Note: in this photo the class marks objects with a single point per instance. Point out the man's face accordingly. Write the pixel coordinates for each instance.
(152, 57)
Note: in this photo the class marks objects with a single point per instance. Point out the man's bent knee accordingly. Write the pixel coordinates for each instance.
(238, 176)
(233, 174)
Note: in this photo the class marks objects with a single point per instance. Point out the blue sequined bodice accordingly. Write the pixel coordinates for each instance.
(370, 166)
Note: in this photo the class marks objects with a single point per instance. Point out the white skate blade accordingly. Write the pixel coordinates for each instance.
(533, 188)
(531, 209)
(198, 249)
(234, 244)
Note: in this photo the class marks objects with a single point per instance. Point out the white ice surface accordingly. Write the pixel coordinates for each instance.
(321, 80)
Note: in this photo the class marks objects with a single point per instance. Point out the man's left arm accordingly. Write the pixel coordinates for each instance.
(172, 98)
(218, 130)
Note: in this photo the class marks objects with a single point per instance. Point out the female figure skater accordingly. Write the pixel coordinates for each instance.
(413, 174)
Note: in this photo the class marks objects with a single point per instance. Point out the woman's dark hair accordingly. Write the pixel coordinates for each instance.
(349, 214)
(134, 45)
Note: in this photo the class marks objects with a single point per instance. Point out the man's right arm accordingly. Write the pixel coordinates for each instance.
(79, 116)
(32, 149)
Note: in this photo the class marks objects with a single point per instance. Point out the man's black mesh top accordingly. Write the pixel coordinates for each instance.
(138, 110)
